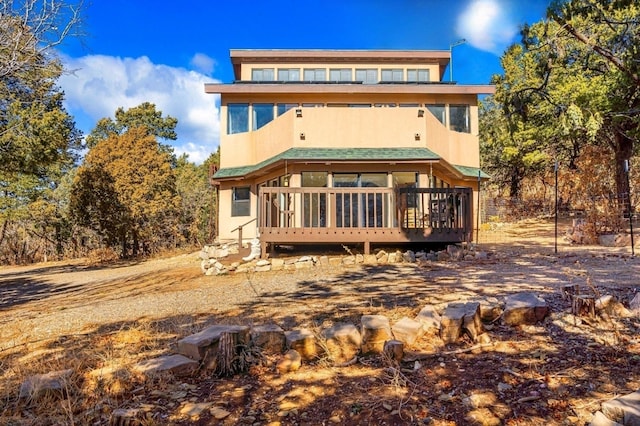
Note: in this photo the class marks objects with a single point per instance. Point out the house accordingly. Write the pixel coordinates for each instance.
(347, 146)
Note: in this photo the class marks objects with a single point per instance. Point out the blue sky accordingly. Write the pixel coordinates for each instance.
(162, 52)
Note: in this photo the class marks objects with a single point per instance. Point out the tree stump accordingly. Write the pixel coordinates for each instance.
(394, 350)
(583, 306)
(226, 354)
(570, 290)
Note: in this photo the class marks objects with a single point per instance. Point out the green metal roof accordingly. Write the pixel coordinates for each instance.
(347, 154)
(333, 154)
(471, 172)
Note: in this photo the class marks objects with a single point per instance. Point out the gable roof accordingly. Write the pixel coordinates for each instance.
(343, 155)
(332, 154)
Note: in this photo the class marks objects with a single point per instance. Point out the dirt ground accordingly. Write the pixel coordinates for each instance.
(100, 320)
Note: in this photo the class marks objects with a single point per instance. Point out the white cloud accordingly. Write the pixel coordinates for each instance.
(203, 63)
(101, 84)
(487, 25)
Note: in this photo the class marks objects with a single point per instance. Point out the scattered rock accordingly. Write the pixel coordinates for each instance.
(178, 365)
(484, 417)
(370, 259)
(455, 252)
(490, 309)
(394, 350)
(303, 341)
(290, 361)
(219, 413)
(277, 264)
(409, 256)
(55, 383)
(194, 410)
(343, 342)
(126, 416)
(524, 308)
(381, 254)
(270, 338)
(429, 318)
(375, 331)
(203, 346)
(624, 409)
(634, 305)
(408, 330)
(459, 318)
(600, 419)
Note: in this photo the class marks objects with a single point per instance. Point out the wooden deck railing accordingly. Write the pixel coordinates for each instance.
(347, 209)
(436, 208)
(364, 215)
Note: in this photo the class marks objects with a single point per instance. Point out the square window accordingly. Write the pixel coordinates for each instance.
(340, 74)
(241, 201)
(438, 110)
(459, 118)
(237, 118)
(262, 74)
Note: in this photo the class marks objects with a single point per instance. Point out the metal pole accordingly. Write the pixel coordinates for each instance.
(626, 169)
(556, 210)
(478, 212)
(451, 46)
(451, 62)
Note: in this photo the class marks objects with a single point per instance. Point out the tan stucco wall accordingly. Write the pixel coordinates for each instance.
(246, 68)
(340, 127)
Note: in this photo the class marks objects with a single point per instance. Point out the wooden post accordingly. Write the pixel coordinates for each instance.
(570, 290)
(583, 305)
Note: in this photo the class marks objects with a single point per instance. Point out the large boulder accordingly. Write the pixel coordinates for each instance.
(524, 308)
(203, 346)
(342, 341)
(375, 331)
(460, 318)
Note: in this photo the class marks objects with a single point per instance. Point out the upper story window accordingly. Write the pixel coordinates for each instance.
(459, 118)
(367, 75)
(315, 74)
(393, 74)
(262, 114)
(438, 110)
(288, 74)
(419, 76)
(340, 74)
(282, 108)
(262, 74)
(237, 118)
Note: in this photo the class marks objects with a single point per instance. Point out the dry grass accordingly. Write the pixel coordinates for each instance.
(566, 366)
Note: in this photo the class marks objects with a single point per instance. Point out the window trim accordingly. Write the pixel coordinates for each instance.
(467, 119)
(240, 206)
(342, 77)
(418, 71)
(288, 72)
(230, 122)
(394, 72)
(368, 79)
(262, 70)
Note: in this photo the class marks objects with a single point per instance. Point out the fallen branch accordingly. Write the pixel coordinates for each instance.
(528, 399)
(348, 363)
(417, 356)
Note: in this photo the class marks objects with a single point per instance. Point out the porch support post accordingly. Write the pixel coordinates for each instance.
(263, 250)
(367, 247)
